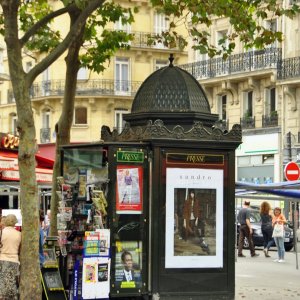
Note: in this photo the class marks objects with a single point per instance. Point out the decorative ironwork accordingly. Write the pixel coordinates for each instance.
(94, 87)
(45, 135)
(222, 124)
(248, 122)
(140, 40)
(270, 120)
(289, 68)
(236, 63)
(157, 130)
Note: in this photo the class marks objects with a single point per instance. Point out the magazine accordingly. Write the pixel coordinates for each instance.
(49, 258)
(53, 281)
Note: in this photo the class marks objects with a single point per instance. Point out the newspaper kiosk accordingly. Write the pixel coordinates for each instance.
(169, 192)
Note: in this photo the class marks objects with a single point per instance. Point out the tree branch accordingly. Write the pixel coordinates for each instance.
(43, 22)
(72, 35)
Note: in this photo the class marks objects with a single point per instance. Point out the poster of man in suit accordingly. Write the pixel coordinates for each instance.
(128, 265)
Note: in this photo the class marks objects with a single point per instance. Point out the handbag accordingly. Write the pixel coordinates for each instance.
(278, 230)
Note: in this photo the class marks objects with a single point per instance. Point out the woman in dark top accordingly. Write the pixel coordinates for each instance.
(266, 226)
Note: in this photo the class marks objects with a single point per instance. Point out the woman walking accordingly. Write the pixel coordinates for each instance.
(266, 226)
(9, 259)
(279, 219)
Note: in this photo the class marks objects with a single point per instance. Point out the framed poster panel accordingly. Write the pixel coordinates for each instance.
(128, 265)
(129, 189)
(194, 218)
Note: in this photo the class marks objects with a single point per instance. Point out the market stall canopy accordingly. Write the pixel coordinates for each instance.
(289, 189)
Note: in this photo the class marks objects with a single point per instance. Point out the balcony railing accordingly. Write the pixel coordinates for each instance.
(236, 63)
(269, 121)
(141, 38)
(45, 135)
(95, 87)
(289, 68)
(248, 122)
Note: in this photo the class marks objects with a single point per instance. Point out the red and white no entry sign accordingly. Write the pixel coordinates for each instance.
(291, 171)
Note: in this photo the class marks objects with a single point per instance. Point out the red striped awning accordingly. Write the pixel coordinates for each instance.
(9, 169)
(42, 175)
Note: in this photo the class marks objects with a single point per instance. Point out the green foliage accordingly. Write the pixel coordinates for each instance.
(246, 17)
(44, 39)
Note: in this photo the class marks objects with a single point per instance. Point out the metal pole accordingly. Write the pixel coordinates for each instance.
(295, 233)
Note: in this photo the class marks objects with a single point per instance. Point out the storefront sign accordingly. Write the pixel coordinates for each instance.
(10, 141)
(195, 158)
(130, 156)
(14, 175)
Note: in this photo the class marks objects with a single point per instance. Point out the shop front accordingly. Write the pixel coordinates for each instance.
(9, 173)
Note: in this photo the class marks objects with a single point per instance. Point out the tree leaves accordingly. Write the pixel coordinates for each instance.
(247, 19)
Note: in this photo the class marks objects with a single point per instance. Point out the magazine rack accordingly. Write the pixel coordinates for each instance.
(51, 279)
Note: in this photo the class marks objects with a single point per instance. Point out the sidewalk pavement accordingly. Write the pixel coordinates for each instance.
(259, 278)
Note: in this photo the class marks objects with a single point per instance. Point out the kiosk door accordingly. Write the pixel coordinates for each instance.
(129, 199)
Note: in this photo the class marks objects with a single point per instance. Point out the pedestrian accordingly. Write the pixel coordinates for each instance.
(280, 219)
(266, 226)
(10, 242)
(245, 230)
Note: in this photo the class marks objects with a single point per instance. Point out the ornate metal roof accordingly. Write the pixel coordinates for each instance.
(170, 89)
(171, 105)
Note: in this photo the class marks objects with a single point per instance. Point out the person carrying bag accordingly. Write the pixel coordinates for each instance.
(278, 222)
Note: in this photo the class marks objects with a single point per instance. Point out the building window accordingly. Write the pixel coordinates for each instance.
(270, 104)
(119, 121)
(46, 118)
(123, 27)
(46, 84)
(200, 57)
(160, 64)
(220, 36)
(82, 74)
(248, 104)
(222, 103)
(13, 124)
(161, 24)
(45, 133)
(122, 75)
(80, 117)
(272, 25)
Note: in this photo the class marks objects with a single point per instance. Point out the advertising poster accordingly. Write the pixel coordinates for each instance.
(129, 189)
(95, 277)
(128, 265)
(194, 218)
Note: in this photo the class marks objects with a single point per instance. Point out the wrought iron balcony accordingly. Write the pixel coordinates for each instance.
(236, 63)
(247, 122)
(270, 120)
(94, 87)
(45, 135)
(289, 68)
(141, 38)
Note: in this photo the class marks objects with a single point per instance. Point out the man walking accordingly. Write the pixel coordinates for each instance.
(245, 230)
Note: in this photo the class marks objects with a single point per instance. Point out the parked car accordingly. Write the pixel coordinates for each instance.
(257, 236)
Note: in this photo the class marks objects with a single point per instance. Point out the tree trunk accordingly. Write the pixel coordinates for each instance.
(30, 285)
(63, 127)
